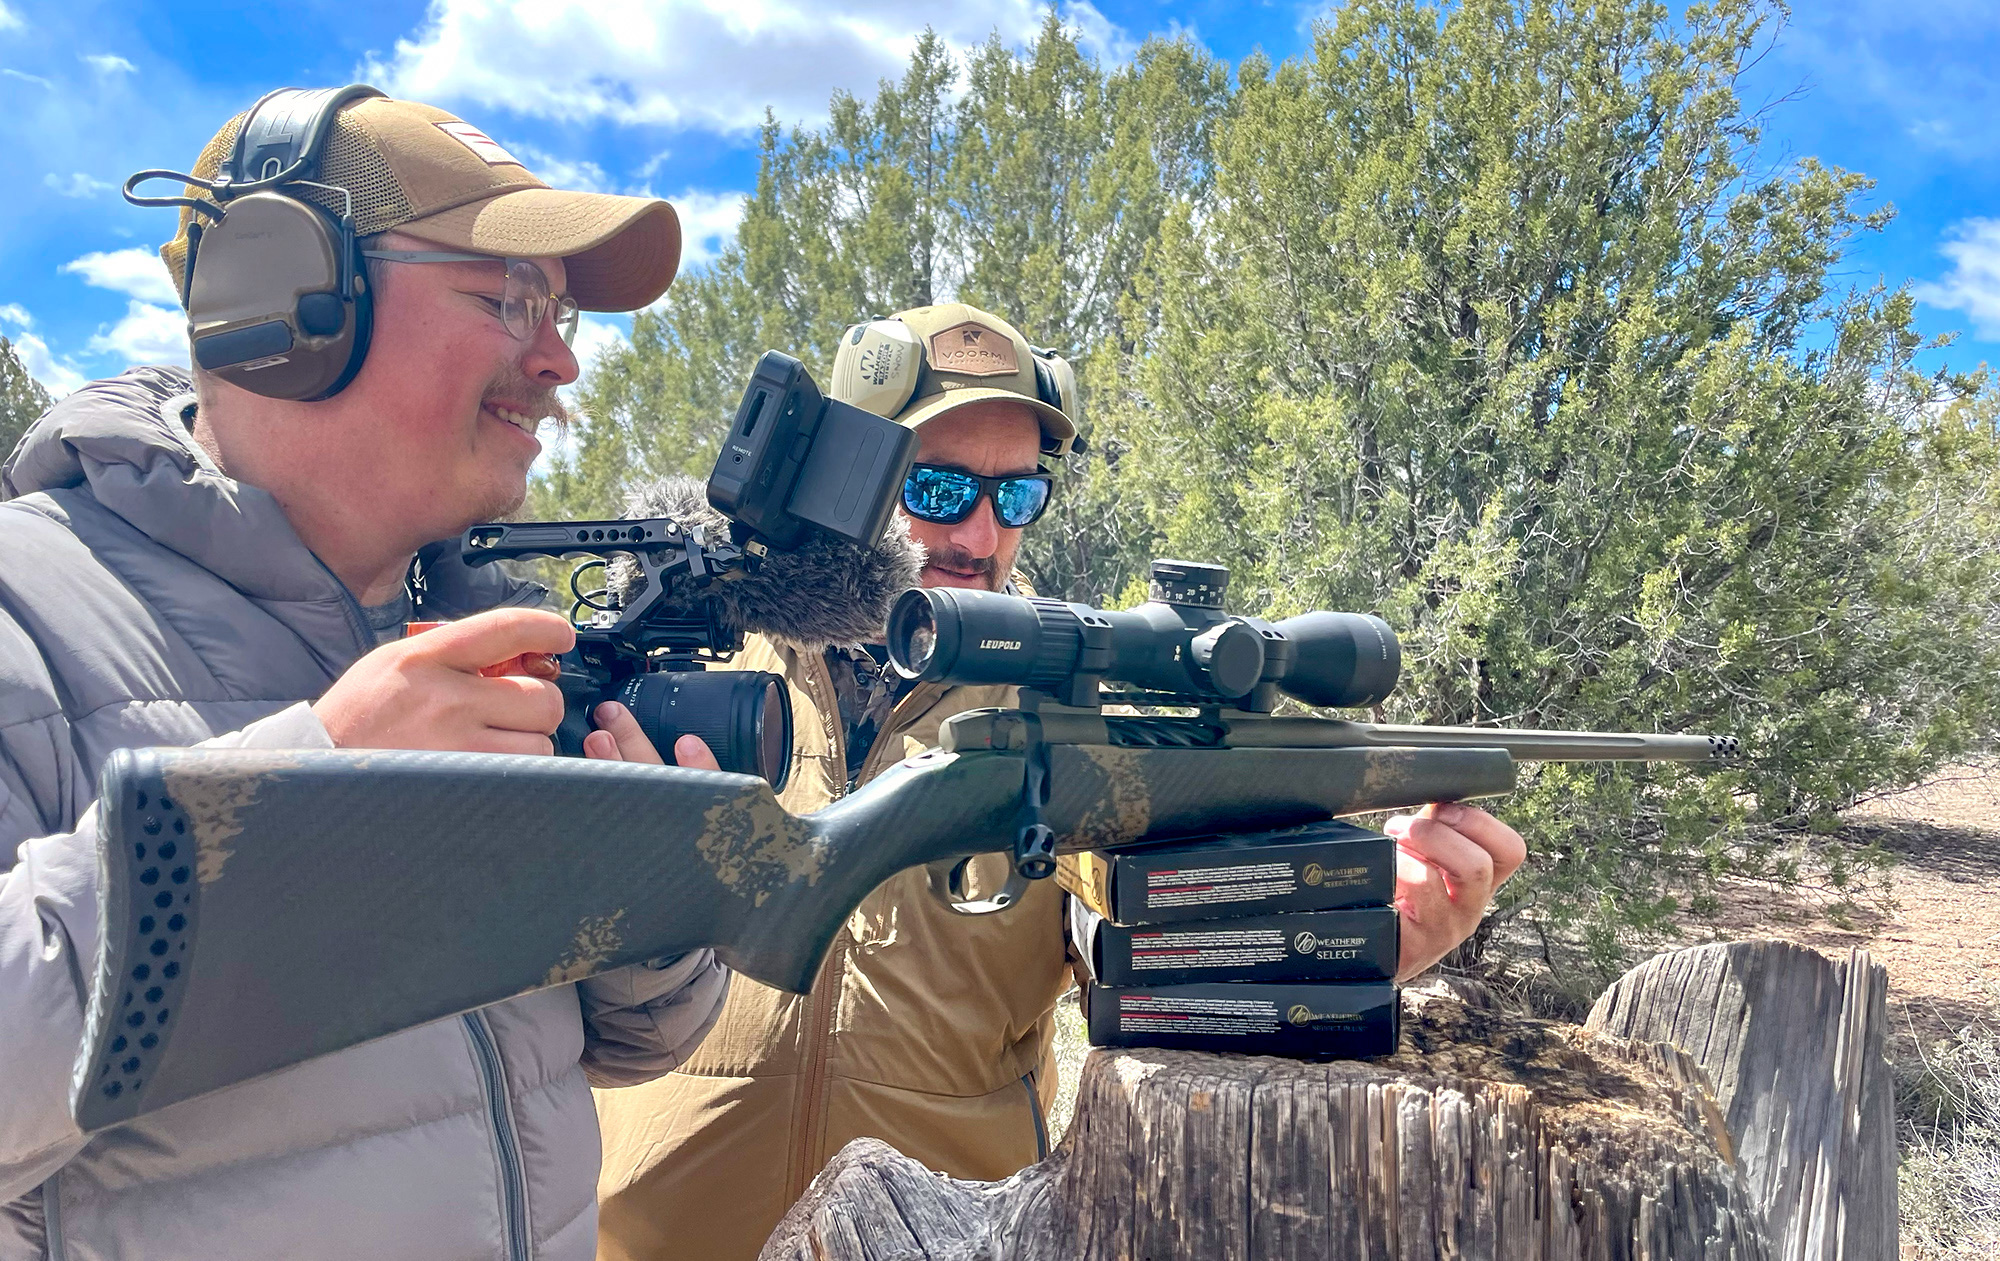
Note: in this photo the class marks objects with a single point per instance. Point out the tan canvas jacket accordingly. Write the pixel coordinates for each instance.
(927, 1029)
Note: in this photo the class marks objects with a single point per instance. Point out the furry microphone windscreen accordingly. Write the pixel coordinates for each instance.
(825, 591)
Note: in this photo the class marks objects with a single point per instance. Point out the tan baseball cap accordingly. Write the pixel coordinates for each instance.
(436, 177)
(975, 355)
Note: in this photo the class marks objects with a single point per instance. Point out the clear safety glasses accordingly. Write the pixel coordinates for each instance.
(524, 302)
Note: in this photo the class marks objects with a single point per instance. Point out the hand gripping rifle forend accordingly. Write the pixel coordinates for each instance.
(262, 908)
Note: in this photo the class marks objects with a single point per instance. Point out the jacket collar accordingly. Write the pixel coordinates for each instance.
(127, 441)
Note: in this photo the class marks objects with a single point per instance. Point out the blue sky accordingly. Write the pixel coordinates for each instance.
(662, 95)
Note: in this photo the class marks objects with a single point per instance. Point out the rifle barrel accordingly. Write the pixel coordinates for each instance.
(1522, 745)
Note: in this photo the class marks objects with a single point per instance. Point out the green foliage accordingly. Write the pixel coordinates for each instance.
(22, 399)
(1489, 330)
(1036, 193)
(1489, 317)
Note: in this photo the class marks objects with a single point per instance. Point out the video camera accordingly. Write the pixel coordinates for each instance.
(795, 469)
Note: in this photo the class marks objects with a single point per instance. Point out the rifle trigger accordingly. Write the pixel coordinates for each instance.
(1034, 840)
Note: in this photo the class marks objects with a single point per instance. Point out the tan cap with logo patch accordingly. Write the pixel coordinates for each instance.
(431, 175)
(974, 355)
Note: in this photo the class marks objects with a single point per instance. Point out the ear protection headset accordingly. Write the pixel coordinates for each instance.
(881, 366)
(277, 298)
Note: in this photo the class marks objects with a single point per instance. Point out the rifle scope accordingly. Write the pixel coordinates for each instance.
(1179, 643)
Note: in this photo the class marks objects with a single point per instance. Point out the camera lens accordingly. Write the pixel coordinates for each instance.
(744, 716)
(774, 735)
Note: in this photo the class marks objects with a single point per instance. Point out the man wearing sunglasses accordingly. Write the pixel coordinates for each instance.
(186, 560)
(928, 1029)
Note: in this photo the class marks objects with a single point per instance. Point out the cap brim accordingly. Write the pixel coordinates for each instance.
(1057, 431)
(621, 253)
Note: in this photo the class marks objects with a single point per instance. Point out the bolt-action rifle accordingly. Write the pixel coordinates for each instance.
(261, 908)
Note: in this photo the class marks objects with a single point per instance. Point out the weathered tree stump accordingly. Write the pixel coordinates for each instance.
(1485, 1136)
(1792, 1044)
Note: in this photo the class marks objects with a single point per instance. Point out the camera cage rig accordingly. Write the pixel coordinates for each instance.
(626, 636)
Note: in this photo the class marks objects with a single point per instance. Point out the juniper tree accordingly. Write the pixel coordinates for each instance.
(1498, 323)
(22, 398)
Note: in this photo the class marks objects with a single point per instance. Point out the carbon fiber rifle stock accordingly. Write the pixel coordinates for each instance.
(263, 908)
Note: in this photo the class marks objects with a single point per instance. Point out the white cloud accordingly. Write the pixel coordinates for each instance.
(710, 64)
(708, 224)
(57, 376)
(25, 77)
(579, 177)
(595, 335)
(1973, 286)
(110, 63)
(77, 184)
(136, 273)
(147, 334)
(9, 20)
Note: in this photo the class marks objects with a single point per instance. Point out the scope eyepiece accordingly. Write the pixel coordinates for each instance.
(983, 637)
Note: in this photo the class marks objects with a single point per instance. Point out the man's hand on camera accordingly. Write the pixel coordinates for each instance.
(619, 739)
(1450, 859)
(426, 692)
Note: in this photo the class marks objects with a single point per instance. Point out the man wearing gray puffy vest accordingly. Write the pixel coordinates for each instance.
(380, 300)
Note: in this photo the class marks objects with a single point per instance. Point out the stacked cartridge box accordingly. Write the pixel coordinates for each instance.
(1281, 943)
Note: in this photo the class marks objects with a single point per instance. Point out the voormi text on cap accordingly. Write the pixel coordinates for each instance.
(974, 350)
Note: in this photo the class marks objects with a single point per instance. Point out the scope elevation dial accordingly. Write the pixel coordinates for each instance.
(1189, 584)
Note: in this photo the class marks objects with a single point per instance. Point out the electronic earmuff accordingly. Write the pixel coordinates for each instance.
(881, 365)
(277, 298)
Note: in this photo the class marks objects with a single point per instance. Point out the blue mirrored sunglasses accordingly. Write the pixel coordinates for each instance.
(947, 496)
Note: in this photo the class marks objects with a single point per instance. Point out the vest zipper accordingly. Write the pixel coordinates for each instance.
(821, 1003)
(1035, 1111)
(52, 1230)
(825, 999)
(499, 1111)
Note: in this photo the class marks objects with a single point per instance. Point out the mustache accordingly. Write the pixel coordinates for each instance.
(957, 558)
(539, 402)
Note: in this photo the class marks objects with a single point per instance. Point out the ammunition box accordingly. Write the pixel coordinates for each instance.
(1351, 945)
(1352, 1021)
(1312, 867)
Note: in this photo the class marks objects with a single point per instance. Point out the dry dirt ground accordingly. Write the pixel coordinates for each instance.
(1936, 925)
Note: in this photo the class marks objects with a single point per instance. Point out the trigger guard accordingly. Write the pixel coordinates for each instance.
(947, 880)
